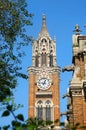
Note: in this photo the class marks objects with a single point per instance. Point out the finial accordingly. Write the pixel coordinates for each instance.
(44, 19)
(54, 38)
(77, 29)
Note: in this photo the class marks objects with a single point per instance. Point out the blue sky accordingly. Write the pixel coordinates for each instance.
(61, 17)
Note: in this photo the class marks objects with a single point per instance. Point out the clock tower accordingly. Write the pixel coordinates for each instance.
(44, 100)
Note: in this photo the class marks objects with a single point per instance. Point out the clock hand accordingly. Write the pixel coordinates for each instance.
(45, 81)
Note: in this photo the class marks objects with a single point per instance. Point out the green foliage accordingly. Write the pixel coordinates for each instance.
(6, 113)
(36, 123)
(14, 17)
(31, 127)
(49, 122)
(62, 124)
(18, 122)
(6, 127)
(83, 127)
(76, 126)
(20, 117)
(56, 121)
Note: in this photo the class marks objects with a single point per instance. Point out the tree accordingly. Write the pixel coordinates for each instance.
(14, 18)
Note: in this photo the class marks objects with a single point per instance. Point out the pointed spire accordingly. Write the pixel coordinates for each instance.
(44, 30)
(44, 21)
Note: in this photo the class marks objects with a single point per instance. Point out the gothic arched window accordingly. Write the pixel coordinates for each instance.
(44, 40)
(48, 110)
(43, 59)
(51, 60)
(40, 110)
(36, 60)
(44, 110)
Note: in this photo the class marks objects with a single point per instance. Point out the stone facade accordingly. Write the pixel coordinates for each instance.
(44, 78)
(77, 90)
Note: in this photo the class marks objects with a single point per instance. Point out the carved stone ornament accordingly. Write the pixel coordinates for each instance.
(68, 68)
(76, 72)
(76, 92)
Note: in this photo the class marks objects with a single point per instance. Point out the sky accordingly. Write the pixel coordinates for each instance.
(61, 18)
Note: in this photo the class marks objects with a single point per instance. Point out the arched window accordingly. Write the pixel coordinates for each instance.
(43, 59)
(44, 110)
(51, 60)
(44, 40)
(48, 110)
(40, 110)
(36, 60)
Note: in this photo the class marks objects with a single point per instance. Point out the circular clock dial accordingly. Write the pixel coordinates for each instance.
(43, 83)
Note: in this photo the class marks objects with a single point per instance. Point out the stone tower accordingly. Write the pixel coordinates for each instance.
(44, 100)
(77, 91)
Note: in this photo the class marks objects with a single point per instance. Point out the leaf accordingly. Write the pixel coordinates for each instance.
(77, 124)
(16, 123)
(62, 124)
(7, 100)
(5, 113)
(83, 127)
(56, 121)
(6, 127)
(19, 128)
(9, 107)
(20, 117)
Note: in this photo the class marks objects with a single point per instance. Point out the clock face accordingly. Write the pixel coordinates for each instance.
(43, 83)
